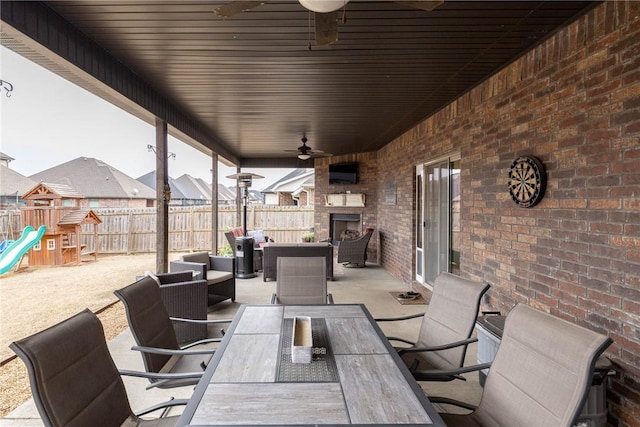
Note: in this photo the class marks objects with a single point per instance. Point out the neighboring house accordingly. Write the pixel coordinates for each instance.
(12, 184)
(255, 196)
(102, 185)
(225, 195)
(177, 197)
(196, 191)
(187, 190)
(294, 189)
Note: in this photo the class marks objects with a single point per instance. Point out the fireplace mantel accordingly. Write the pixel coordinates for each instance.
(347, 200)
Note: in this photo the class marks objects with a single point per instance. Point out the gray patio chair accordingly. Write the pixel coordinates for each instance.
(73, 379)
(156, 339)
(353, 253)
(301, 280)
(541, 374)
(446, 326)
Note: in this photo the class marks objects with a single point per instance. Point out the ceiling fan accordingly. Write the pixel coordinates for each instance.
(326, 16)
(305, 152)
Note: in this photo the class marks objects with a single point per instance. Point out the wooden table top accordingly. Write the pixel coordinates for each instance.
(240, 385)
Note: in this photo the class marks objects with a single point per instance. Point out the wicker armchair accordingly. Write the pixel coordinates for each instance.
(218, 271)
(185, 298)
(353, 253)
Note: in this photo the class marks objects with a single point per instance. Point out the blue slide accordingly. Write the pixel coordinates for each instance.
(14, 252)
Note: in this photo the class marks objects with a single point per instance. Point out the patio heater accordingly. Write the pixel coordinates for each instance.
(244, 244)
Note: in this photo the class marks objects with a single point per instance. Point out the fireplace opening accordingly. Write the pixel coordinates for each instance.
(343, 226)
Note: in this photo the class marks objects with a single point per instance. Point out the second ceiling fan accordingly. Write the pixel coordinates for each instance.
(326, 15)
(305, 152)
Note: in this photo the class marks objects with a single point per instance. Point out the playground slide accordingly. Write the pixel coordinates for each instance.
(14, 252)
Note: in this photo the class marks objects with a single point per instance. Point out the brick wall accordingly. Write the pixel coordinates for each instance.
(367, 184)
(573, 102)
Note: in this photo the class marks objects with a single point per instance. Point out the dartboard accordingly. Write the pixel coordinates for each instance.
(527, 181)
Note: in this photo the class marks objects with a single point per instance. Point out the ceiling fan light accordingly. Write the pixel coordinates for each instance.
(304, 156)
(323, 6)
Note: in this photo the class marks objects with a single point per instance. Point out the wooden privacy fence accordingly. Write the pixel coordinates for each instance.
(133, 230)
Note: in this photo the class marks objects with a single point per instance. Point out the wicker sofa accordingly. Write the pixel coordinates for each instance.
(271, 252)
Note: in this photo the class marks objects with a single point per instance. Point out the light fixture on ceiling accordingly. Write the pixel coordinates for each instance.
(304, 156)
(323, 6)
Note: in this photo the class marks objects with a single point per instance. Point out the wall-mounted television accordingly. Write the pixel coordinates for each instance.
(343, 173)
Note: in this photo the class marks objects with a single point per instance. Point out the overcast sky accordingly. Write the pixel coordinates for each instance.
(47, 121)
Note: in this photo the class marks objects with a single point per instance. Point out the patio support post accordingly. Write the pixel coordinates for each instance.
(214, 203)
(162, 202)
(238, 200)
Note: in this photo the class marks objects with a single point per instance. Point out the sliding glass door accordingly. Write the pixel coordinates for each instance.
(437, 218)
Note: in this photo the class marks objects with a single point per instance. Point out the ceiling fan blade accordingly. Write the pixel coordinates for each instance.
(315, 154)
(326, 28)
(427, 5)
(235, 7)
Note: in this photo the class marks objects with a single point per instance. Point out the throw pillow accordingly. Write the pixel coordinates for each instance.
(258, 236)
(237, 232)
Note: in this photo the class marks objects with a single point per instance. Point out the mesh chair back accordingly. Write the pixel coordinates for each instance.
(450, 317)
(301, 280)
(74, 381)
(148, 320)
(542, 372)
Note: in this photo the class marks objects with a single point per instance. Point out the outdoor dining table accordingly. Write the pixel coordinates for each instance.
(355, 376)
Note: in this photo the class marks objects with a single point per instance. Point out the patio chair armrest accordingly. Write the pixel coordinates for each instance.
(394, 319)
(205, 321)
(171, 352)
(330, 299)
(163, 405)
(401, 340)
(438, 347)
(199, 342)
(449, 401)
(434, 374)
(176, 266)
(158, 376)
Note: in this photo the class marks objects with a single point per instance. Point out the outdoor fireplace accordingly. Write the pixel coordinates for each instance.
(343, 226)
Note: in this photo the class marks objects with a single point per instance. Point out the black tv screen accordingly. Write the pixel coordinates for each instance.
(343, 173)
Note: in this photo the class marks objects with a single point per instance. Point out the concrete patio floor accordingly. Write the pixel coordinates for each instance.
(369, 286)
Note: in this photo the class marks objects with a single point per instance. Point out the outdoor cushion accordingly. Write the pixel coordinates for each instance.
(215, 276)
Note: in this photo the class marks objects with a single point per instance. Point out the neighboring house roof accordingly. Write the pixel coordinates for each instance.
(95, 179)
(308, 183)
(5, 159)
(149, 180)
(188, 187)
(254, 195)
(11, 181)
(194, 189)
(292, 182)
(225, 193)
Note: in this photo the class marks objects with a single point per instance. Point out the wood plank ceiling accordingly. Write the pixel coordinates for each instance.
(254, 84)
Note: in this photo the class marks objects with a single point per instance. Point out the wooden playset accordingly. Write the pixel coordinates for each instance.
(56, 206)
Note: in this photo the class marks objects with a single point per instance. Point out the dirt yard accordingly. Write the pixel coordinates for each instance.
(33, 299)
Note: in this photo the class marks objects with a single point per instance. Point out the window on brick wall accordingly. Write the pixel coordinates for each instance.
(437, 218)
